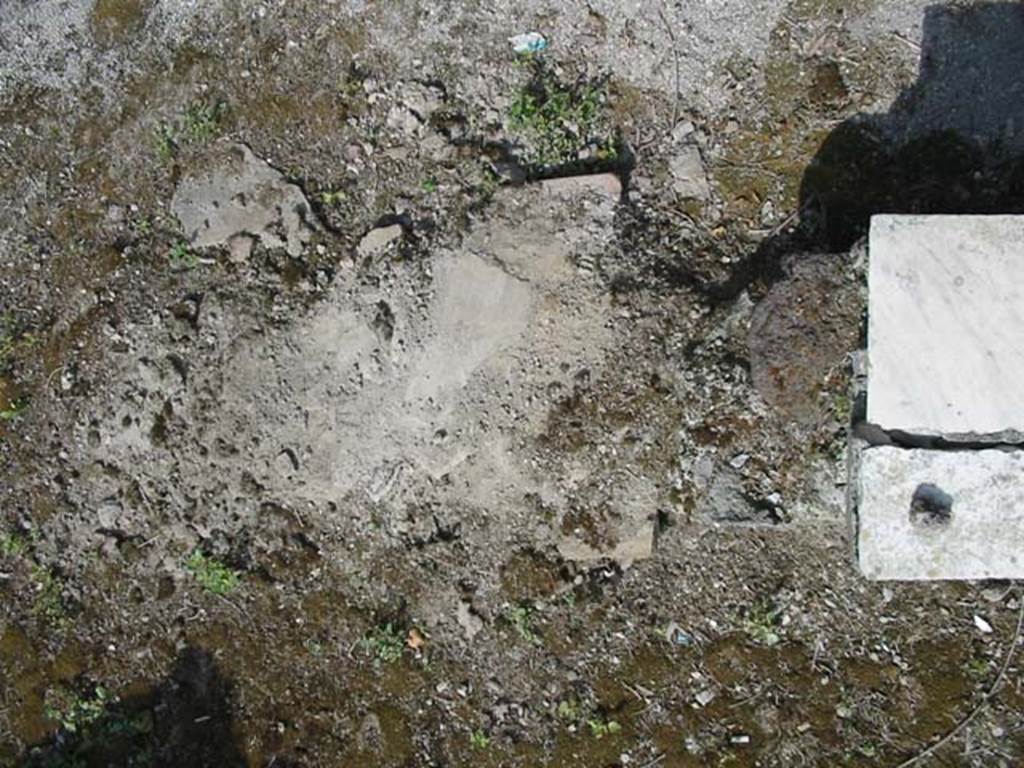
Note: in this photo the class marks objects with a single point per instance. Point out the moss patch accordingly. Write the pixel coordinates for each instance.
(114, 21)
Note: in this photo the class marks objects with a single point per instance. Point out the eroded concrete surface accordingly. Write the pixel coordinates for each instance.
(415, 402)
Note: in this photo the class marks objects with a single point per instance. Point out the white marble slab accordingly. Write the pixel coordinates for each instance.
(980, 539)
(946, 325)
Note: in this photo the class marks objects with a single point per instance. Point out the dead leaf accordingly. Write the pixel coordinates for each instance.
(415, 640)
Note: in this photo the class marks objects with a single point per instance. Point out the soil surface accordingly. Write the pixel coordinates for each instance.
(372, 394)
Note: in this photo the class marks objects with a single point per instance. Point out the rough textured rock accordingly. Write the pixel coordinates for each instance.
(634, 545)
(946, 318)
(241, 199)
(378, 239)
(689, 178)
(941, 514)
(801, 332)
(605, 184)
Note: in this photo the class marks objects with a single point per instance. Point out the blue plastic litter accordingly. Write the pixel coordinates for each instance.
(528, 42)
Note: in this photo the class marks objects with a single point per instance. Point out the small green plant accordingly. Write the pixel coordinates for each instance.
(558, 120)
(8, 337)
(478, 740)
(520, 618)
(315, 647)
(977, 667)
(163, 138)
(48, 604)
(868, 750)
(11, 545)
(568, 710)
(79, 713)
(385, 642)
(330, 198)
(202, 120)
(182, 257)
(429, 185)
(212, 575)
(842, 407)
(601, 728)
(13, 339)
(14, 409)
(762, 623)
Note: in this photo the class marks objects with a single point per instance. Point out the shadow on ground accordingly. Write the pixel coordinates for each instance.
(952, 143)
(185, 720)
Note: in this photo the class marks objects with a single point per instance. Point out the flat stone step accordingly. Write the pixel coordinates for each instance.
(927, 514)
(946, 326)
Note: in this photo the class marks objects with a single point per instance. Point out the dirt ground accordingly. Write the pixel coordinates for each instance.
(372, 394)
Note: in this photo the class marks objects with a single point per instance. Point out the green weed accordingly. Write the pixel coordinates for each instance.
(557, 121)
(163, 138)
(868, 750)
(11, 545)
(520, 618)
(331, 198)
(601, 728)
(79, 713)
(386, 643)
(199, 123)
(48, 604)
(762, 623)
(568, 710)
(977, 667)
(13, 340)
(91, 728)
(842, 407)
(478, 740)
(182, 257)
(212, 575)
(314, 647)
(14, 409)
(202, 120)
(8, 338)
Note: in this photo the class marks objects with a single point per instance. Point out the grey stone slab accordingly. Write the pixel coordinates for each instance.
(689, 178)
(946, 325)
(603, 184)
(238, 198)
(926, 514)
(378, 239)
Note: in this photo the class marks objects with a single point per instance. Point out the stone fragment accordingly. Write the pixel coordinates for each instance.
(403, 120)
(377, 240)
(240, 248)
(800, 333)
(945, 326)
(930, 514)
(705, 697)
(604, 184)
(241, 198)
(689, 178)
(632, 545)
(471, 623)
